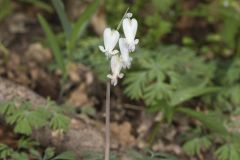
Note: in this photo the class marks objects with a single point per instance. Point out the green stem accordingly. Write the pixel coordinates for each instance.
(120, 23)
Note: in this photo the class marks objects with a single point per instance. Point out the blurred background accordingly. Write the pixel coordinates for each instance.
(179, 101)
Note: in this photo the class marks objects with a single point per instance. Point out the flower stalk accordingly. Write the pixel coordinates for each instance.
(107, 121)
(117, 61)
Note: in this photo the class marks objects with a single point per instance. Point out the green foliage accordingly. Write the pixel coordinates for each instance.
(81, 23)
(151, 156)
(196, 145)
(225, 11)
(200, 81)
(25, 118)
(114, 10)
(170, 74)
(73, 31)
(228, 152)
(59, 7)
(5, 9)
(65, 156)
(233, 73)
(59, 121)
(97, 156)
(31, 152)
(173, 79)
(19, 156)
(49, 154)
(183, 95)
(89, 55)
(136, 82)
(26, 143)
(39, 4)
(5, 151)
(132, 154)
(54, 44)
(167, 79)
(213, 121)
(163, 5)
(158, 17)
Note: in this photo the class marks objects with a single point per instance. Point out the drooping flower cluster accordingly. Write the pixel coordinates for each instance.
(127, 45)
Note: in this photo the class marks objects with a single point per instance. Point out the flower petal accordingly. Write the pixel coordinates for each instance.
(107, 38)
(114, 81)
(126, 60)
(109, 76)
(102, 49)
(123, 46)
(120, 75)
(136, 41)
(116, 66)
(134, 26)
(127, 29)
(114, 52)
(113, 40)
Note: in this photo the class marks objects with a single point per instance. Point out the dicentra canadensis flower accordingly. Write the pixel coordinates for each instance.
(110, 39)
(116, 66)
(126, 59)
(130, 30)
(127, 44)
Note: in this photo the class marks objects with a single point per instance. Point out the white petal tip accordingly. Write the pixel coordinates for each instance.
(136, 41)
(102, 49)
(129, 15)
(121, 75)
(109, 76)
(114, 52)
(114, 82)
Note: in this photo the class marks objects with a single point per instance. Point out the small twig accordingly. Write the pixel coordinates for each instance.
(107, 131)
(133, 107)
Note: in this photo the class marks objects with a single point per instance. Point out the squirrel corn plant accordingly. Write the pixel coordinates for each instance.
(118, 60)
(25, 118)
(28, 152)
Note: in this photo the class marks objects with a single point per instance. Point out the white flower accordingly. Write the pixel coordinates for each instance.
(110, 38)
(116, 66)
(130, 30)
(126, 59)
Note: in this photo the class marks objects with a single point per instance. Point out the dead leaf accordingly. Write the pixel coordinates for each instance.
(122, 132)
(37, 53)
(98, 21)
(79, 97)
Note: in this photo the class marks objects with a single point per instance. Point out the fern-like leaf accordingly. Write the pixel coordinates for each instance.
(135, 83)
(196, 145)
(228, 152)
(59, 121)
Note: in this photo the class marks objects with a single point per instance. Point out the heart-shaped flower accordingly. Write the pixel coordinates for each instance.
(126, 59)
(130, 30)
(110, 39)
(116, 66)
